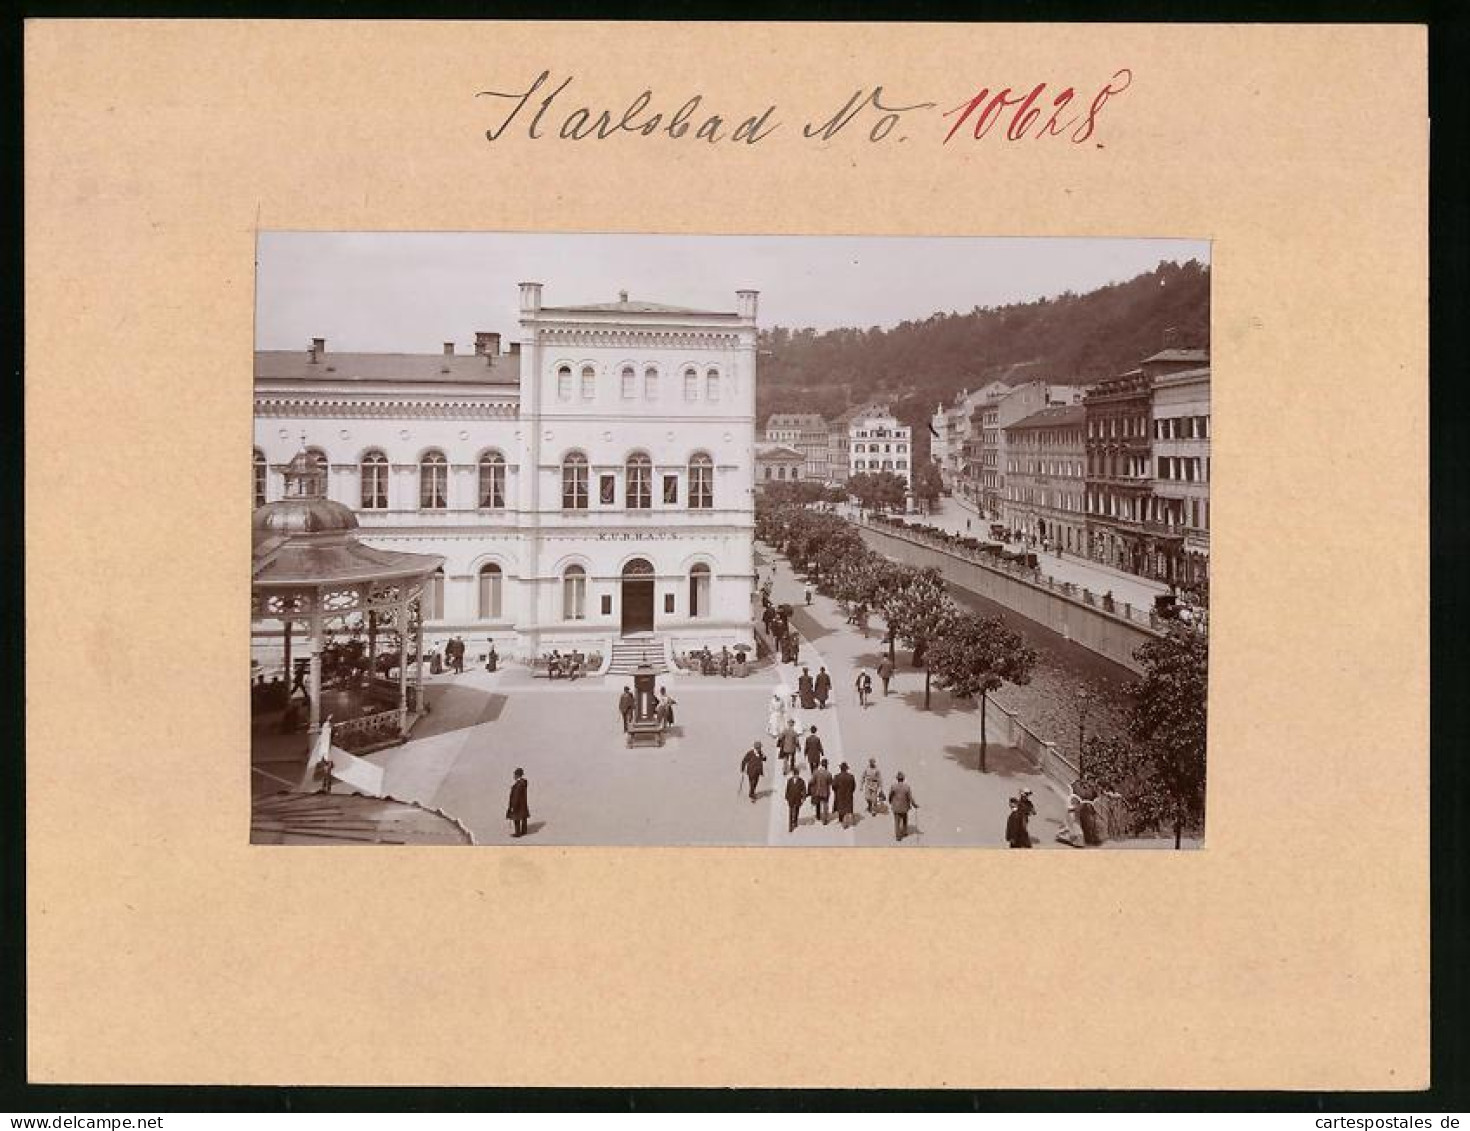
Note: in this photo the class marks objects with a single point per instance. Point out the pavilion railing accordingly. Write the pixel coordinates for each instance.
(369, 730)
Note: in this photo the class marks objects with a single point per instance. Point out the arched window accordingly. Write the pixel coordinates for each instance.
(433, 482)
(650, 383)
(574, 593)
(490, 579)
(258, 473)
(492, 481)
(699, 590)
(712, 385)
(433, 599)
(564, 383)
(638, 483)
(629, 383)
(373, 475)
(691, 384)
(701, 482)
(589, 382)
(574, 482)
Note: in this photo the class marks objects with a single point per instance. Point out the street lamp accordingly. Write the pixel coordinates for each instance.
(1082, 701)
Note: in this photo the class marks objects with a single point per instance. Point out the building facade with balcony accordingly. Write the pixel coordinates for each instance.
(1118, 418)
(592, 481)
(1179, 515)
(1148, 468)
(877, 442)
(1046, 482)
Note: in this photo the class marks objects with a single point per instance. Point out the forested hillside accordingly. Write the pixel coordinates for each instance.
(915, 365)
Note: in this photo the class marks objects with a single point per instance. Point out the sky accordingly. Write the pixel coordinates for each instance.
(410, 292)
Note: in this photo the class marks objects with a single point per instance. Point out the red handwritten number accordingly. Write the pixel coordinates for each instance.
(983, 111)
(1025, 114)
(1084, 131)
(1051, 129)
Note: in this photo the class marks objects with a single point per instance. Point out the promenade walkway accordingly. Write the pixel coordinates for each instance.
(951, 516)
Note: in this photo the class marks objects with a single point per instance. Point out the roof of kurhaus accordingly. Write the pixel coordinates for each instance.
(635, 306)
(424, 368)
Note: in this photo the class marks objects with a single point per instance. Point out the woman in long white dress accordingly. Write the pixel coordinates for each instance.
(776, 717)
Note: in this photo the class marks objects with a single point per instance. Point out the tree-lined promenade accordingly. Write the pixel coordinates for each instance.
(1159, 765)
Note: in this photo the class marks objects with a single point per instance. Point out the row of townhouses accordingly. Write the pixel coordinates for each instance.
(1118, 471)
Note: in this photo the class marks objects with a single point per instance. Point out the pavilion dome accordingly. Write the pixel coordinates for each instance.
(304, 509)
(302, 515)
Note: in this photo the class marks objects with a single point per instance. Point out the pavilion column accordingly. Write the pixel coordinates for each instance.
(403, 666)
(314, 682)
(419, 648)
(372, 645)
(289, 674)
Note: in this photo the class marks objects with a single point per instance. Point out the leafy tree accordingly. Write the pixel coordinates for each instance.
(928, 485)
(918, 612)
(1168, 720)
(1160, 768)
(877, 490)
(978, 655)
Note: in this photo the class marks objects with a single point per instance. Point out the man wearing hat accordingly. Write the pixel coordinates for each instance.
(753, 765)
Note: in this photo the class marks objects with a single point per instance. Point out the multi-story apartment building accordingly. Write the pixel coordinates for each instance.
(1000, 410)
(806, 432)
(1046, 483)
(839, 442)
(1119, 470)
(1179, 515)
(953, 435)
(878, 442)
(1148, 468)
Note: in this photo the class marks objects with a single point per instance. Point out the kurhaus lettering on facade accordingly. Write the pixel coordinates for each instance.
(593, 480)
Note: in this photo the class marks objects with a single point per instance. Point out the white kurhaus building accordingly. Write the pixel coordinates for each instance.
(593, 481)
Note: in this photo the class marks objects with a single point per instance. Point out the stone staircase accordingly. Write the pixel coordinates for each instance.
(628, 652)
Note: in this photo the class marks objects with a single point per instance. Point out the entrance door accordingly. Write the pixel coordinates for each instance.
(637, 597)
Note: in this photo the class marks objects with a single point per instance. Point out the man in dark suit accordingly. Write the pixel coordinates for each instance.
(753, 765)
(795, 795)
(518, 809)
(626, 703)
(787, 744)
(804, 690)
(844, 786)
(821, 789)
(813, 750)
(823, 688)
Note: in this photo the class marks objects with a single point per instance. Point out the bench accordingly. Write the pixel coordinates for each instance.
(541, 665)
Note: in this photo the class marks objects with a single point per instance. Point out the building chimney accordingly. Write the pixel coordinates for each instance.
(1171, 338)
(530, 298)
(318, 347)
(745, 304)
(622, 296)
(514, 350)
(487, 344)
(448, 349)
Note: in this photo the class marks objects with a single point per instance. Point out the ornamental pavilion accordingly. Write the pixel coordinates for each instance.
(310, 572)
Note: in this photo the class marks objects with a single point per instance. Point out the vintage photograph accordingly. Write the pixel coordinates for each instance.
(588, 539)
